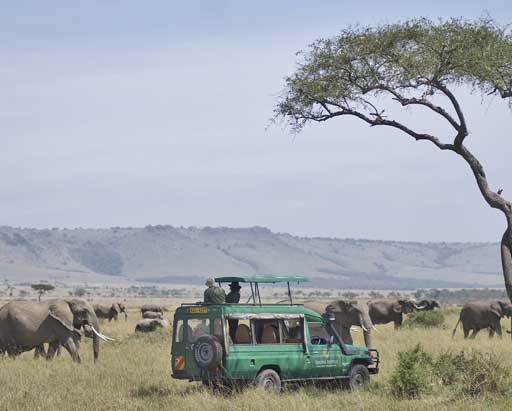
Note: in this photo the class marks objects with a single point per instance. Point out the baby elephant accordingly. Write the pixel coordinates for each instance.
(149, 324)
(152, 315)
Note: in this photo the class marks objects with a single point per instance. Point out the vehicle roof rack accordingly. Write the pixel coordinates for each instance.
(255, 290)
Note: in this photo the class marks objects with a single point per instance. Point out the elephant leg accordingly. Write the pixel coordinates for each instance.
(498, 329)
(473, 334)
(52, 350)
(39, 351)
(70, 347)
(491, 332)
(398, 322)
(346, 336)
(466, 332)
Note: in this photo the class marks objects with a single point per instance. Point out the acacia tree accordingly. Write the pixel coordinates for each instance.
(415, 64)
(42, 288)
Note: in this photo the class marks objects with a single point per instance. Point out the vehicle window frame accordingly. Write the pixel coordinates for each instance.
(268, 321)
(282, 334)
(176, 328)
(210, 321)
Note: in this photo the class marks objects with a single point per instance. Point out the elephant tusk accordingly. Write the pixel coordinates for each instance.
(362, 324)
(100, 335)
(354, 329)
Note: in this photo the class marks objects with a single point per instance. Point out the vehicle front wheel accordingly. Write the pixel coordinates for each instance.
(269, 380)
(359, 377)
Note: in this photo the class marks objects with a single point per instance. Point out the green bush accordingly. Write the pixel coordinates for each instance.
(425, 319)
(448, 367)
(476, 373)
(410, 379)
(484, 374)
(473, 373)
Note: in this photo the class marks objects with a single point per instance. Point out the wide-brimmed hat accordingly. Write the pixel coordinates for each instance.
(235, 285)
(210, 282)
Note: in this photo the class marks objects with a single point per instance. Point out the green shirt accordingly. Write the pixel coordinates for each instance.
(214, 295)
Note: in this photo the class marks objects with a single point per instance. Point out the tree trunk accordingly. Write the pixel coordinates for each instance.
(506, 260)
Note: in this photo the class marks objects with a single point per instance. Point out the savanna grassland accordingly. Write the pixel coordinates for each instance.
(133, 373)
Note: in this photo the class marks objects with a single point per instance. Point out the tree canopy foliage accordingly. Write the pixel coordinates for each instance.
(42, 288)
(411, 62)
(417, 63)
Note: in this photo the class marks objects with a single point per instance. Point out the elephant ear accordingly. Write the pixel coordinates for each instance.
(62, 314)
(397, 307)
(496, 309)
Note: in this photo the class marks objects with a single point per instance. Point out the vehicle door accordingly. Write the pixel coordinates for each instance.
(324, 354)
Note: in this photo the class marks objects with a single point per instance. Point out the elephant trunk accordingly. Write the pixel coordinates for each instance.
(95, 339)
(366, 325)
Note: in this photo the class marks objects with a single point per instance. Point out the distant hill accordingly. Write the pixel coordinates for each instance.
(165, 254)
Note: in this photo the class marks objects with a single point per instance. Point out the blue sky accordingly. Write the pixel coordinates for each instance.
(131, 113)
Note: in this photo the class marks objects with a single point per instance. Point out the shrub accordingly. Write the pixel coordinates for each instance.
(410, 379)
(425, 319)
(477, 373)
(484, 374)
(448, 367)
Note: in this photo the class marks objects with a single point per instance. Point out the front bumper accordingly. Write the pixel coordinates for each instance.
(373, 368)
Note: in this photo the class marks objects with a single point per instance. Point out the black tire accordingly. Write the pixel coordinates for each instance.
(208, 352)
(358, 377)
(269, 380)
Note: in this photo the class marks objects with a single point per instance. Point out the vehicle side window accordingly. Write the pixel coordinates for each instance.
(292, 331)
(318, 334)
(197, 327)
(179, 333)
(217, 328)
(267, 331)
(240, 331)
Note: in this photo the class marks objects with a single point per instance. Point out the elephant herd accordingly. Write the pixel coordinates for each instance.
(366, 314)
(474, 316)
(27, 325)
(152, 318)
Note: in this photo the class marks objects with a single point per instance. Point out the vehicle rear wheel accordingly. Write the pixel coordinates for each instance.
(269, 380)
(359, 377)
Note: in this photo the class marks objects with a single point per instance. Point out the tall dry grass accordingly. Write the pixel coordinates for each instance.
(133, 373)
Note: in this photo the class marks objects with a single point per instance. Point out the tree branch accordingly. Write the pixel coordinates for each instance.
(463, 130)
(404, 101)
(379, 121)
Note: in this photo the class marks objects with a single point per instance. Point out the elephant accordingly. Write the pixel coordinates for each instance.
(25, 325)
(428, 305)
(104, 311)
(151, 324)
(122, 309)
(152, 315)
(151, 307)
(347, 314)
(478, 315)
(383, 311)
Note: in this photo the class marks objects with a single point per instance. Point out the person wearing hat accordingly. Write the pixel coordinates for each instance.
(233, 297)
(214, 294)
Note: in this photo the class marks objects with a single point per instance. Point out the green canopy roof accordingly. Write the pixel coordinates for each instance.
(261, 279)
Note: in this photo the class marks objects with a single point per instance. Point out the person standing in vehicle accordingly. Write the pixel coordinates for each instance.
(214, 294)
(233, 297)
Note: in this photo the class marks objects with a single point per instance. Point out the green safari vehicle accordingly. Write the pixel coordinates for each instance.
(264, 344)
